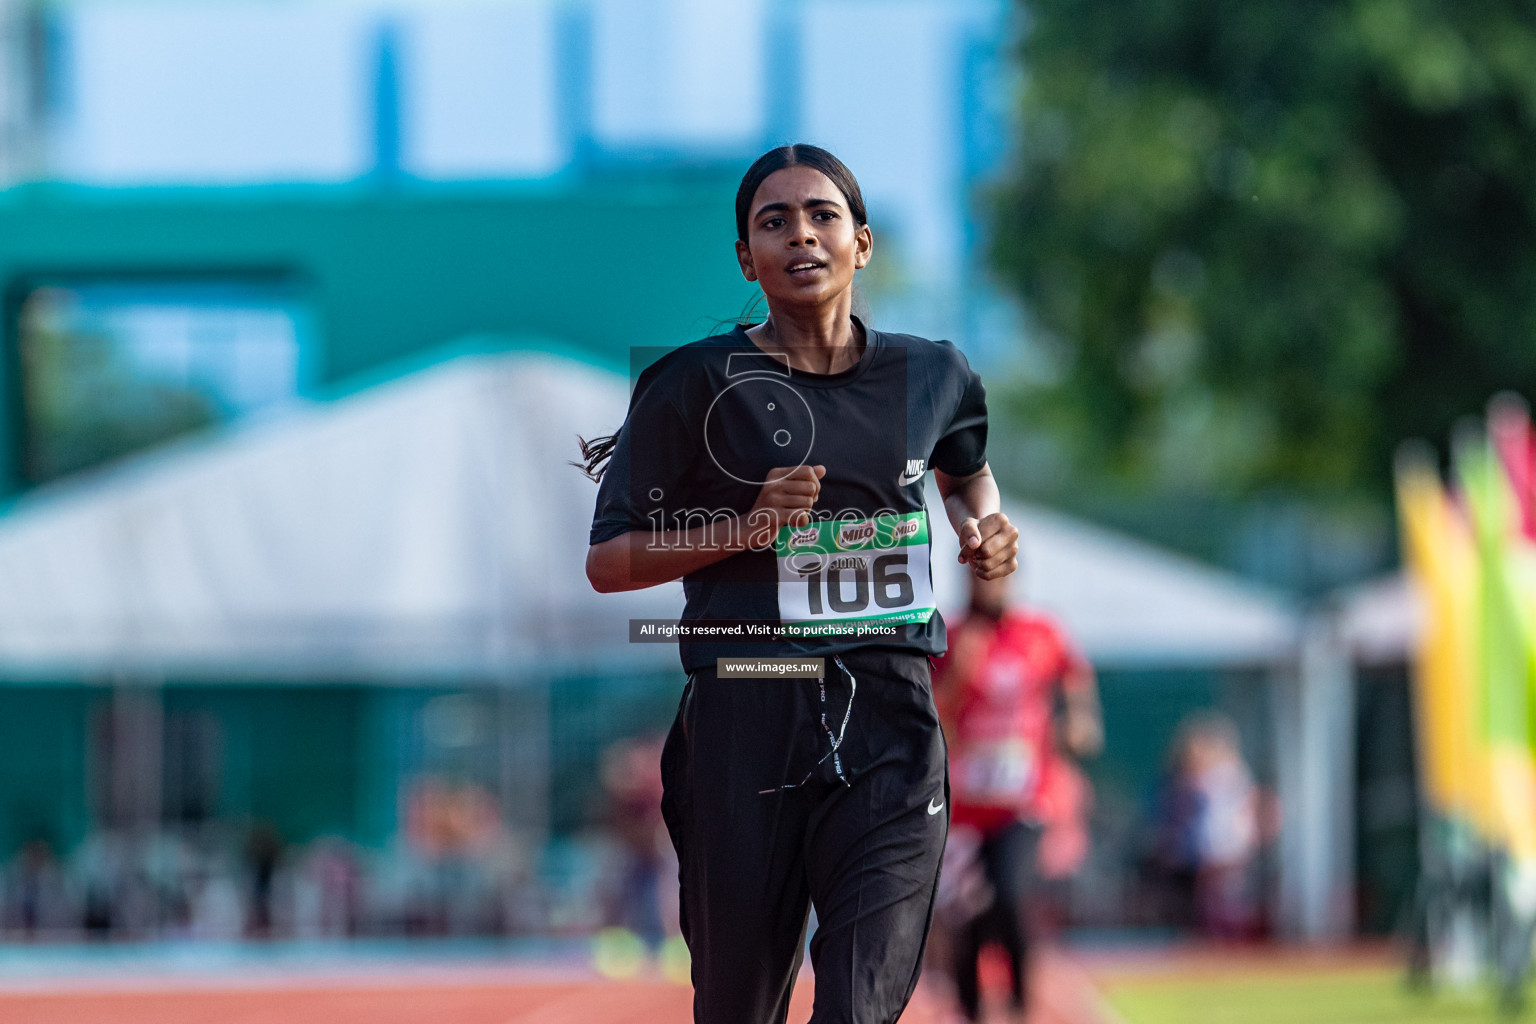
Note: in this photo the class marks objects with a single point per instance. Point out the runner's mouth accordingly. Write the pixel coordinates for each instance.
(805, 266)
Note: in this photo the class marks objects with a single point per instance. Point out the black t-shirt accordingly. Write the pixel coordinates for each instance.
(706, 423)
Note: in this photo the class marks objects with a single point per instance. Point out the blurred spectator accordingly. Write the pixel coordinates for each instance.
(263, 853)
(631, 771)
(464, 859)
(456, 870)
(1017, 702)
(445, 821)
(218, 908)
(37, 899)
(1209, 830)
(327, 891)
(99, 866)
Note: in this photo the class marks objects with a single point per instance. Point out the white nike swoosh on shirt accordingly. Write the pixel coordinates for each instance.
(932, 809)
(906, 480)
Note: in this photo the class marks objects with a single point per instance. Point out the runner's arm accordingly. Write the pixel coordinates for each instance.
(639, 559)
(988, 541)
(643, 558)
(1083, 725)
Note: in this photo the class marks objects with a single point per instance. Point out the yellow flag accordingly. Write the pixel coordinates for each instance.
(1441, 556)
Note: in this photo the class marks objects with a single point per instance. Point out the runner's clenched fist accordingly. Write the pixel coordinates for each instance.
(990, 545)
(785, 500)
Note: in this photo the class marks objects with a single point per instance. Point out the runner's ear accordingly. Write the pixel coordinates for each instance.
(744, 259)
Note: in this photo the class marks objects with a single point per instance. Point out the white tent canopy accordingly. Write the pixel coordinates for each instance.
(1381, 619)
(429, 525)
(432, 526)
(1126, 602)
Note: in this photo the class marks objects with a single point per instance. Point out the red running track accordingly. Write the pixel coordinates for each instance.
(467, 997)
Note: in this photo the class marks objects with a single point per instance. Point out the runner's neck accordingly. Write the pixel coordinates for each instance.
(824, 347)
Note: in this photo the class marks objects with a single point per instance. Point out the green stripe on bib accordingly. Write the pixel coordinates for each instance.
(834, 537)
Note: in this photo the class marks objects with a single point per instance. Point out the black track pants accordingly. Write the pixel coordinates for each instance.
(865, 853)
(1008, 857)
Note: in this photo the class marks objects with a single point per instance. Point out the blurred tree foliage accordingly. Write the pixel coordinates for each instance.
(1263, 242)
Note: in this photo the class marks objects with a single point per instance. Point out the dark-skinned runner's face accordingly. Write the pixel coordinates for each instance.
(803, 245)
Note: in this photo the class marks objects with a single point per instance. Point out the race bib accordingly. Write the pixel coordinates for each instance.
(1000, 772)
(835, 577)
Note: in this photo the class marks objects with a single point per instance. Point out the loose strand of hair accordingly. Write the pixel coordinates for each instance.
(595, 455)
(751, 315)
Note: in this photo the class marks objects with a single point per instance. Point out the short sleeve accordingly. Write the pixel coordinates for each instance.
(962, 446)
(651, 458)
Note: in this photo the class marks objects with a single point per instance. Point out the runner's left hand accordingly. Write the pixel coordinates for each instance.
(990, 545)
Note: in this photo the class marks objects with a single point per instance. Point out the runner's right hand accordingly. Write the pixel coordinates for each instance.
(786, 499)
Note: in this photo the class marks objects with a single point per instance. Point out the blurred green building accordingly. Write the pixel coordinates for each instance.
(133, 318)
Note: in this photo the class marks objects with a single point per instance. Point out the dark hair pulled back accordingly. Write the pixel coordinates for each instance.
(596, 452)
(801, 154)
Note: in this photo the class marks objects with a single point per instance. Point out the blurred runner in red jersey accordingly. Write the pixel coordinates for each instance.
(1017, 703)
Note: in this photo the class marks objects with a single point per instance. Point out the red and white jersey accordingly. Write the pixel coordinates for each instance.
(1001, 715)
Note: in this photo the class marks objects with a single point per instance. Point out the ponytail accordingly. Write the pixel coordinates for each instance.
(595, 455)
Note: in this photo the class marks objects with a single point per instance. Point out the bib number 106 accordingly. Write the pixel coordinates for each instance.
(878, 577)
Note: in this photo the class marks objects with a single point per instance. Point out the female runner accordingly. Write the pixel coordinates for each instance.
(778, 471)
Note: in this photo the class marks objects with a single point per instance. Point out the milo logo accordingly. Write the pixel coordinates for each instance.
(803, 537)
(852, 535)
(906, 528)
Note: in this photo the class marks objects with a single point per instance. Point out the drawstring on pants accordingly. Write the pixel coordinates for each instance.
(835, 740)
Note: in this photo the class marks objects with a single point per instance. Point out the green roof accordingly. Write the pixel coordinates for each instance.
(601, 266)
